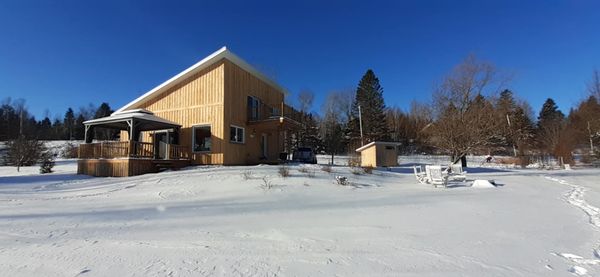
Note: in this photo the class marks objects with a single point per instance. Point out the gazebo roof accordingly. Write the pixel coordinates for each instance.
(144, 120)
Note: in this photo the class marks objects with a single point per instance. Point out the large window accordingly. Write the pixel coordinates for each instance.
(236, 134)
(201, 138)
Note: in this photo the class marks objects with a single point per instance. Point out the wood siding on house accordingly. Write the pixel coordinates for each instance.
(217, 96)
(198, 100)
(239, 84)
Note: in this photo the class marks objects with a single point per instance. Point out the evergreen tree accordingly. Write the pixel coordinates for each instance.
(104, 134)
(69, 123)
(45, 129)
(549, 127)
(79, 129)
(369, 96)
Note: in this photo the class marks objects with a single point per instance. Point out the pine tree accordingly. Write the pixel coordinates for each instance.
(105, 134)
(549, 127)
(369, 97)
(69, 123)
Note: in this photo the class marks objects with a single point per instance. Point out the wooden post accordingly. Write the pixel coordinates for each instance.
(101, 150)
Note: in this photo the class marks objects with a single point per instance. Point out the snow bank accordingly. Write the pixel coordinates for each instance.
(483, 184)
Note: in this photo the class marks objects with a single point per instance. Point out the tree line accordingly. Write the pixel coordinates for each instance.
(472, 111)
(16, 121)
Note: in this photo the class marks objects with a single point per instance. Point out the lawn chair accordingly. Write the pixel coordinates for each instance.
(436, 176)
(457, 173)
(420, 175)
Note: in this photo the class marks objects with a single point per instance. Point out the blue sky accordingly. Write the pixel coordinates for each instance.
(60, 54)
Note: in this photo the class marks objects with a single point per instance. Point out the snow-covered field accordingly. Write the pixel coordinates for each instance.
(221, 221)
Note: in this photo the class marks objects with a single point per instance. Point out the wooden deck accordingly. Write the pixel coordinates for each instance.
(128, 158)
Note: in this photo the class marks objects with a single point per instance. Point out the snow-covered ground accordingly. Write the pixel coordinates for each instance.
(222, 221)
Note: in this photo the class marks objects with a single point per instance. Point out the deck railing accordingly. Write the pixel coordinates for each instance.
(126, 149)
(264, 112)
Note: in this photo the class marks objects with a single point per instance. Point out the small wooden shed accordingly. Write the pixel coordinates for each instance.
(379, 153)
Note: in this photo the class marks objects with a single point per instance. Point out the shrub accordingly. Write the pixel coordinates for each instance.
(368, 169)
(284, 171)
(267, 184)
(24, 152)
(357, 170)
(70, 151)
(246, 175)
(341, 180)
(47, 163)
(354, 161)
(327, 168)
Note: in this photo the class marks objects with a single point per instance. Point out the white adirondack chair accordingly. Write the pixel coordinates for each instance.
(436, 176)
(457, 173)
(420, 175)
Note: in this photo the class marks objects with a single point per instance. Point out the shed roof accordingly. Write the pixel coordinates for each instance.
(385, 143)
(222, 53)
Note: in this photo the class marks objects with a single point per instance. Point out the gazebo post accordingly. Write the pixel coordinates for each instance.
(87, 137)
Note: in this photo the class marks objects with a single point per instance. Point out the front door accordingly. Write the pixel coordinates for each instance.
(160, 145)
(264, 147)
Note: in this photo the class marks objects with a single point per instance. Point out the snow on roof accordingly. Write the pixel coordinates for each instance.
(222, 53)
(138, 114)
(377, 143)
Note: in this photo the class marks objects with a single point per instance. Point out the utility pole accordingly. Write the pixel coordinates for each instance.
(360, 124)
(512, 133)
(591, 140)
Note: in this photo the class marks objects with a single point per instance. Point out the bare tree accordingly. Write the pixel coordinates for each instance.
(305, 99)
(594, 85)
(336, 111)
(464, 118)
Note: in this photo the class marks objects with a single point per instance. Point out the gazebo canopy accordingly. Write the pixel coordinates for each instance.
(134, 121)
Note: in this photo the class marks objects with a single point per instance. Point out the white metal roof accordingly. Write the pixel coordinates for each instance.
(222, 53)
(138, 114)
(377, 143)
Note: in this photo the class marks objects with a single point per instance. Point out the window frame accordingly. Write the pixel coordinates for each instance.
(236, 133)
(194, 138)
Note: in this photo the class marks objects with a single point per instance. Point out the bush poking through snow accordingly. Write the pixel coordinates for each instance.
(69, 151)
(246, 175)
(47, 163)
(309, 171)
(341, 180)
(327, 168)
(267, 184)
(357, 170)
(284, 171)
(368, 169)
(24, 152)
(354, 161)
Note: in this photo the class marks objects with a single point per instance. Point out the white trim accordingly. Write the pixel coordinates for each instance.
(222, 53)
(194, 138)
(243, 137)
(377, 143)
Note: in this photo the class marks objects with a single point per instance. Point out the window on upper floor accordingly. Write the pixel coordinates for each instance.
(253, 108)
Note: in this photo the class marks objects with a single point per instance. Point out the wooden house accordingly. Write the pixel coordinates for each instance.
(219, 111)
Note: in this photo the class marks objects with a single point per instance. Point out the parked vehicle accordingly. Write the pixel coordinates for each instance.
(304, 155)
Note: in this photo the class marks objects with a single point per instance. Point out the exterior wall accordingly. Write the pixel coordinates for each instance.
(386, 157)
(198, 100)
(239, 84)
(217, 96)
(368, 157)
(378, 155)
(115, 167)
